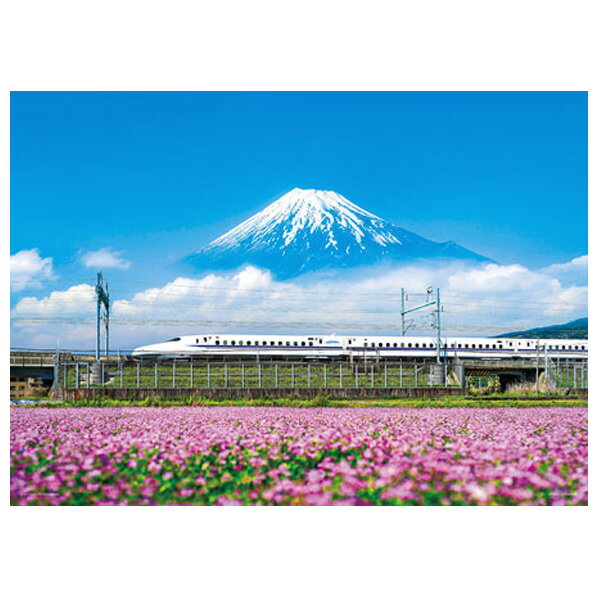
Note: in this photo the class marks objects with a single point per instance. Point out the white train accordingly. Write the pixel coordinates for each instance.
(332, 346)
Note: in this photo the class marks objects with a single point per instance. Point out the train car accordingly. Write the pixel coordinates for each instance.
(332, 346)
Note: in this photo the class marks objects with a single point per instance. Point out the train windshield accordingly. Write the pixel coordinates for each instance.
(173, 340)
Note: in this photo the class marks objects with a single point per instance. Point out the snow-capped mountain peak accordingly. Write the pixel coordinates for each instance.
(309, 229)
(307, 210)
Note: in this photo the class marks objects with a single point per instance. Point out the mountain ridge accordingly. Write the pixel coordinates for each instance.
(576, 329)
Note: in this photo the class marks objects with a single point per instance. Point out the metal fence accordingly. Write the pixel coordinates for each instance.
(187, 374)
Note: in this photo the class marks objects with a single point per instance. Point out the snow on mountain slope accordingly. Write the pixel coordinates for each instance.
(308, 229)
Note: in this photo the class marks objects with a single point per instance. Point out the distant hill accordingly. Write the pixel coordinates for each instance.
(574, 329)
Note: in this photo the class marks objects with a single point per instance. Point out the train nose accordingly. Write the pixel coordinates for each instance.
(146, 350)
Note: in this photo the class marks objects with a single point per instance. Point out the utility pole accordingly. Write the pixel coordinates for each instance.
(103, 299)
(402, 311)
(438, 340)
(107, 322)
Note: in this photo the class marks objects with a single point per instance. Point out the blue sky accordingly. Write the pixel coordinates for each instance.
(156, 175)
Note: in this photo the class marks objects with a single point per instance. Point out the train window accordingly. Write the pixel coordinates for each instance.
(380, 344)
(272, 343)
(205, 339)
(232, 342)
(240, 342)
(432, 345)
(350, 342)
(311, 344)
(303, 343)
(225, 342)
(217, 342)
(494, 346)
(288, 343)
(365, 344)
(402, 345)
(409, 345)
(295, 343)
(197, 341)
(466, 345)
(264, 343)
(424, 345)
(576, 347)
(280, 343)
(394, 344)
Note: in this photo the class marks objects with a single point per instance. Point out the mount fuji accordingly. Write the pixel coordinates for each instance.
(307, 230)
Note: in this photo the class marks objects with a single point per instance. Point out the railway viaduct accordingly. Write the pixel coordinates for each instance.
(38, 369)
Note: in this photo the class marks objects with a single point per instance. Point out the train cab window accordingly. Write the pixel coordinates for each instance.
(174, 340)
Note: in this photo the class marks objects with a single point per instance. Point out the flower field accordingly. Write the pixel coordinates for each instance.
(290, 456)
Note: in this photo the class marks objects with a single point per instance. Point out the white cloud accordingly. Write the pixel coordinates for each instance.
(477, 300)
(29, 270)
(574, 272)
(104, 258)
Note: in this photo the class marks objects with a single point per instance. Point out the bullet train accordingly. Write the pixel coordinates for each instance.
(332, 346)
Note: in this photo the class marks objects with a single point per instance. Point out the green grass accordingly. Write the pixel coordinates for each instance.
(324, 401)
